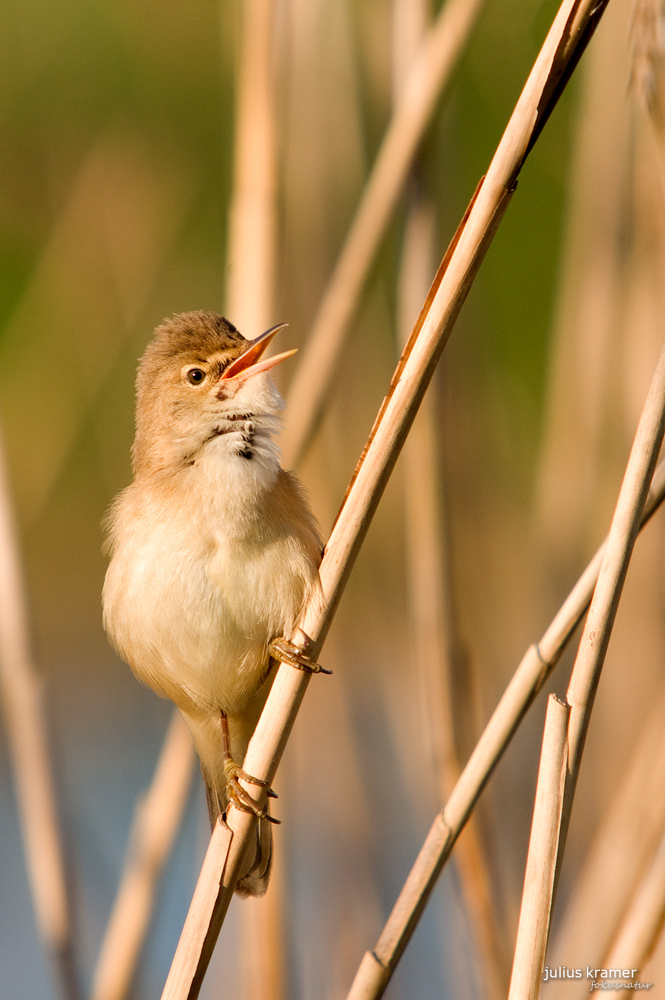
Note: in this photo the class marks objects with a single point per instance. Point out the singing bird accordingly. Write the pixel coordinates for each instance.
(214, 548)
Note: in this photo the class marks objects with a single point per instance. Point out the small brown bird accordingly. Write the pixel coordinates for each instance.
(214, 549)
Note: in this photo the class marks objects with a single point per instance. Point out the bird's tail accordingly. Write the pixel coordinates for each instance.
(206, 733)
(257, 865)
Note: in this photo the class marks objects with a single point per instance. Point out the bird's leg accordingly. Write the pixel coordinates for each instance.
(232, 771)
(286, 651)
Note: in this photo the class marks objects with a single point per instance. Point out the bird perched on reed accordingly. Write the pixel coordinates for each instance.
(214, 548)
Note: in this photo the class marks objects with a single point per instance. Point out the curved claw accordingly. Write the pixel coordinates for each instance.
(233, 770)
(285, 651)
(243, 801)
(240, 798)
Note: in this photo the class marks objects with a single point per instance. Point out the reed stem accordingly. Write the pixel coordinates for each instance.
(22, 702)
(535, 914)
(572, 28)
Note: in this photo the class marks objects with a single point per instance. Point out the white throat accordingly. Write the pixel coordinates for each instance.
(240, 447)
(237, 459)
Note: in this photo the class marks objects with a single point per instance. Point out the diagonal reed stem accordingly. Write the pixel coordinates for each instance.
(643, 922)
(604, 605)
(569, 35)
(154, 829)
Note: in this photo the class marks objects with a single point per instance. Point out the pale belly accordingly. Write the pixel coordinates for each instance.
(194, 620)
(203, 576)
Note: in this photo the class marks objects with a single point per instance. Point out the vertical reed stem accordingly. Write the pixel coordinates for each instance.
(534, 923)
(25, 720)
(428, 74)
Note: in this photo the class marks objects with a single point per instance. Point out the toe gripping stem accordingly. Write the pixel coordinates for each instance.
(286, 651)
(233, 772)
(242, 799)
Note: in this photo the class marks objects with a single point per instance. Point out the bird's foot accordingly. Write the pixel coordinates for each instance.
(285, 651)
(240, 798)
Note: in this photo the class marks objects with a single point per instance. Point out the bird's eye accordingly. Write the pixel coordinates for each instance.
(196, 376)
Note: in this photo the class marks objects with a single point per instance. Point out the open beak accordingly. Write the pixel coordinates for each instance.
(248, 364)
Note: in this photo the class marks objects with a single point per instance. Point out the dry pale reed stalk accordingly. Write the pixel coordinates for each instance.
(607, 594)
(25, 722)
(648, 62)
(428, 74)
(252, 213)
(648, 85)
(571, 31)
(250, 295)
(538, 662)
(263, 949)
(433, 642)
(410, 23)
(643, 921)
(155, 827)
(617, 859)
(536, 910)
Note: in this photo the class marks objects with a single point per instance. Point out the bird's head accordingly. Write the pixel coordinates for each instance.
(198, 379)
